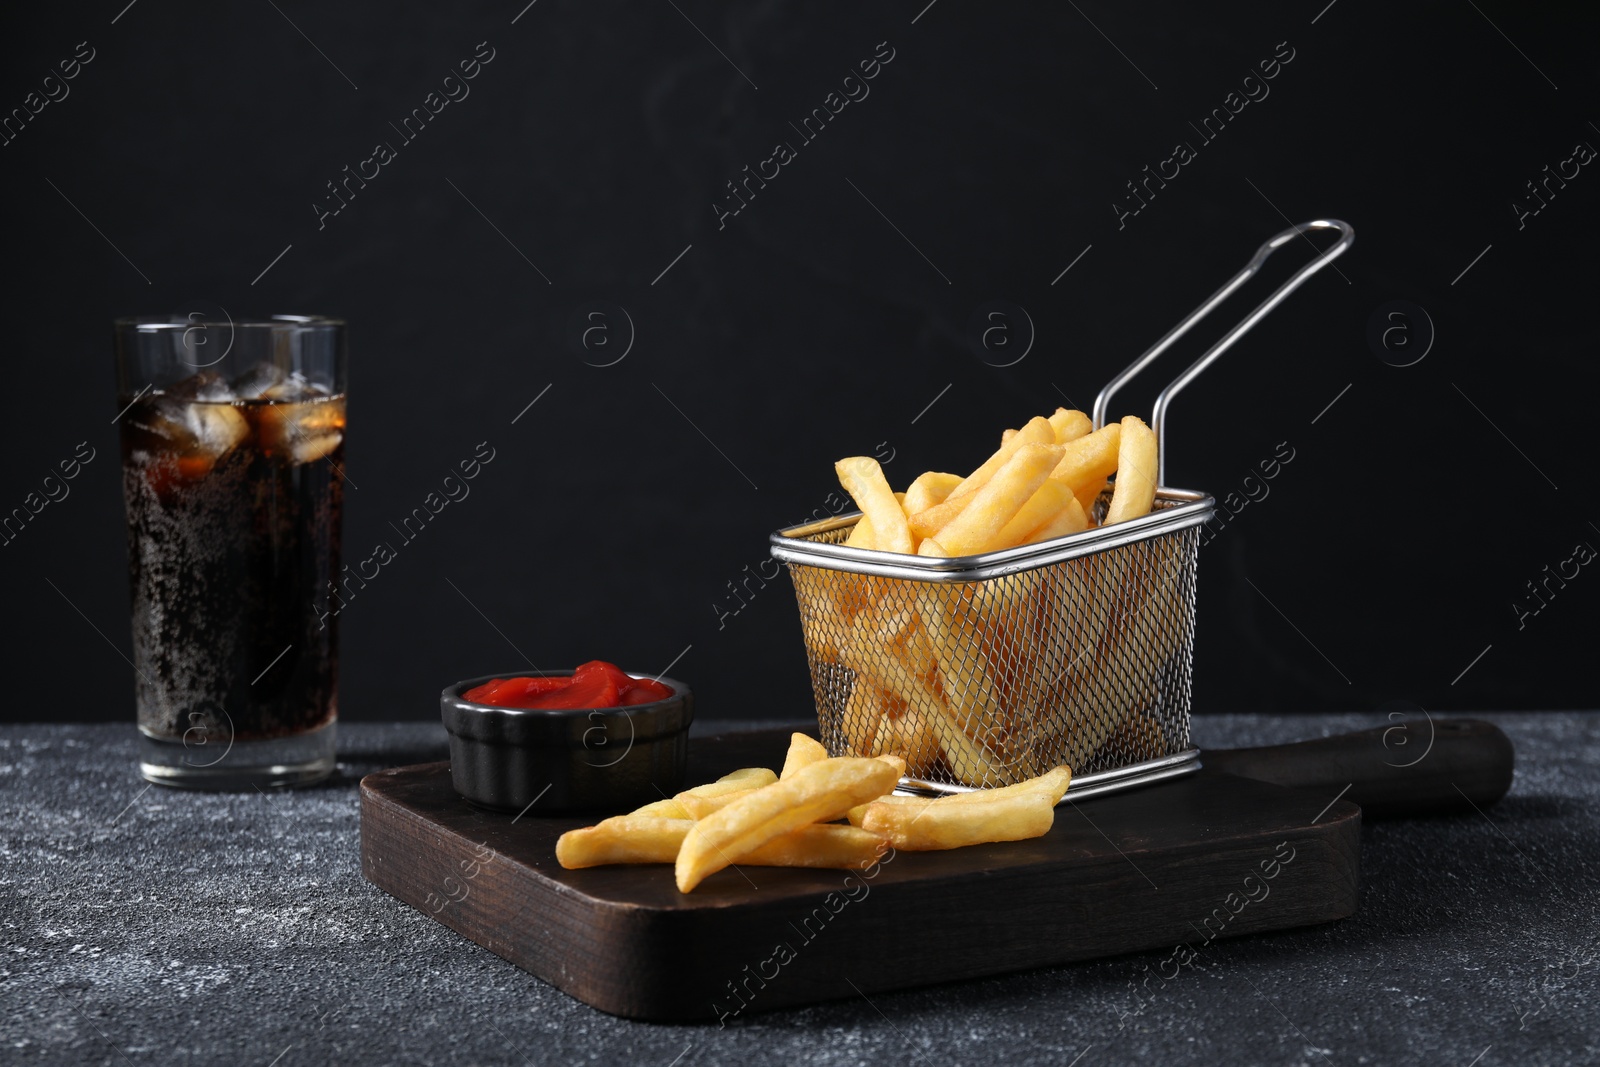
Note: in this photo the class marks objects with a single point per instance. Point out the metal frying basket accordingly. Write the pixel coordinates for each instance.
(985, 670)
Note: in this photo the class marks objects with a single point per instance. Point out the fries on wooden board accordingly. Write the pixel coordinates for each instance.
(785, 820)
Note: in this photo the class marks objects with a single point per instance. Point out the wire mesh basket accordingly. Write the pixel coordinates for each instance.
(985, 670)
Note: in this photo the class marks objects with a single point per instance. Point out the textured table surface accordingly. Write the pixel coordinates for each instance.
(143, 925)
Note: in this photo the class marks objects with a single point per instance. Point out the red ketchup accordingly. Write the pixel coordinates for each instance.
(596, 684)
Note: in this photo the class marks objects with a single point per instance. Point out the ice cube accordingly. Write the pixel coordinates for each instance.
(196, 433)
(254, 383)
(218, 429)
(307, 430)
(306, 449)
(164, 420)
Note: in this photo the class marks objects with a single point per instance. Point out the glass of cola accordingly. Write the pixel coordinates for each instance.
(233, 475)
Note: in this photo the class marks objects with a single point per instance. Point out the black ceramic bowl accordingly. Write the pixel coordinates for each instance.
(557, 760)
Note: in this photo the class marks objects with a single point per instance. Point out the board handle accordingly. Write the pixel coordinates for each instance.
(1421, 767)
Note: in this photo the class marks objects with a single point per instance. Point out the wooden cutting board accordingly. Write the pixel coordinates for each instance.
(1179, 862)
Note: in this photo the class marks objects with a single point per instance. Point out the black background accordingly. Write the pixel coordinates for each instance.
(1386, 558)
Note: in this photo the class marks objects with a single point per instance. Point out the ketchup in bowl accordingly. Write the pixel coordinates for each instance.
(596, 684)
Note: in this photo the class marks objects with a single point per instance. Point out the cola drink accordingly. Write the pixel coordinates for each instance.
(234, 489)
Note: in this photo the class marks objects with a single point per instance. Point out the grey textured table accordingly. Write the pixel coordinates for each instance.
(151, 926)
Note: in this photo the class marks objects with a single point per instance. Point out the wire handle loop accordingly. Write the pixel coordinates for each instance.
(1158, 418)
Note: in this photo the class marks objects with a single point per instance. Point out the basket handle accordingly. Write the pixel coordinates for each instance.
(1158, 418)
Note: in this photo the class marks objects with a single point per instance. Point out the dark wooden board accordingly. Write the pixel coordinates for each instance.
(1176, 862)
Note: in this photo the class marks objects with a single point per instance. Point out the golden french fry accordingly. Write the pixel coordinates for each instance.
(1074, 611)
(663, 809)
(909, 735)
(743, 778)
(822, 845)
(1038, 431)
(929, 489)
(1137, 469)
(1108, 677)
(803, 751)
(1049, 500)
(985, 648)
(863, 479)
(881, 726)
(952, 618)
(1051, 784)
(1007, 435)
(888, 649)
(862, 723)
(1014, 616)
(1091, 493)
(970, 631)
(698, 807)
(929, 547)
(1002, 496)
(636, 839)
(732, 782)
(973, 762)
(1070, 425)
(927, 522)
(623, 839)
(1087, 462)
(861, 534)
(1070, 519)
(941, 824)
(822, 791)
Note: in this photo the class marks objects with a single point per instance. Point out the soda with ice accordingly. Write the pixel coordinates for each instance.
(234, 490)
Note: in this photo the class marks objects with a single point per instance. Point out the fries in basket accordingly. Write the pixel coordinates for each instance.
(987, 682)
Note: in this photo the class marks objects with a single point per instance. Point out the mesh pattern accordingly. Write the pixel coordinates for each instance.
(1084, 662)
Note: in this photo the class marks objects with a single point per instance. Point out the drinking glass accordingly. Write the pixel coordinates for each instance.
(233, 476)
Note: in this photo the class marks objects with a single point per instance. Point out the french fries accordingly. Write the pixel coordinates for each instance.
(929, 489)
(643, 839)
(824, 790)
(734, 782)
(980, 682)
(863, 479)
(803, 752)
(1070, 425)
(623, 839)
(698, 807)
(1088, 461)
(861, 533)
(1136, 472)
(1051, 500)
(910, 735)
(976, 681)
(1038, 431)
(999, 500)
(1052, 784)
(888, 648)
(928, 521)
(1070, 519)
(936, 825)
(1004, 503)
(785, 822)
